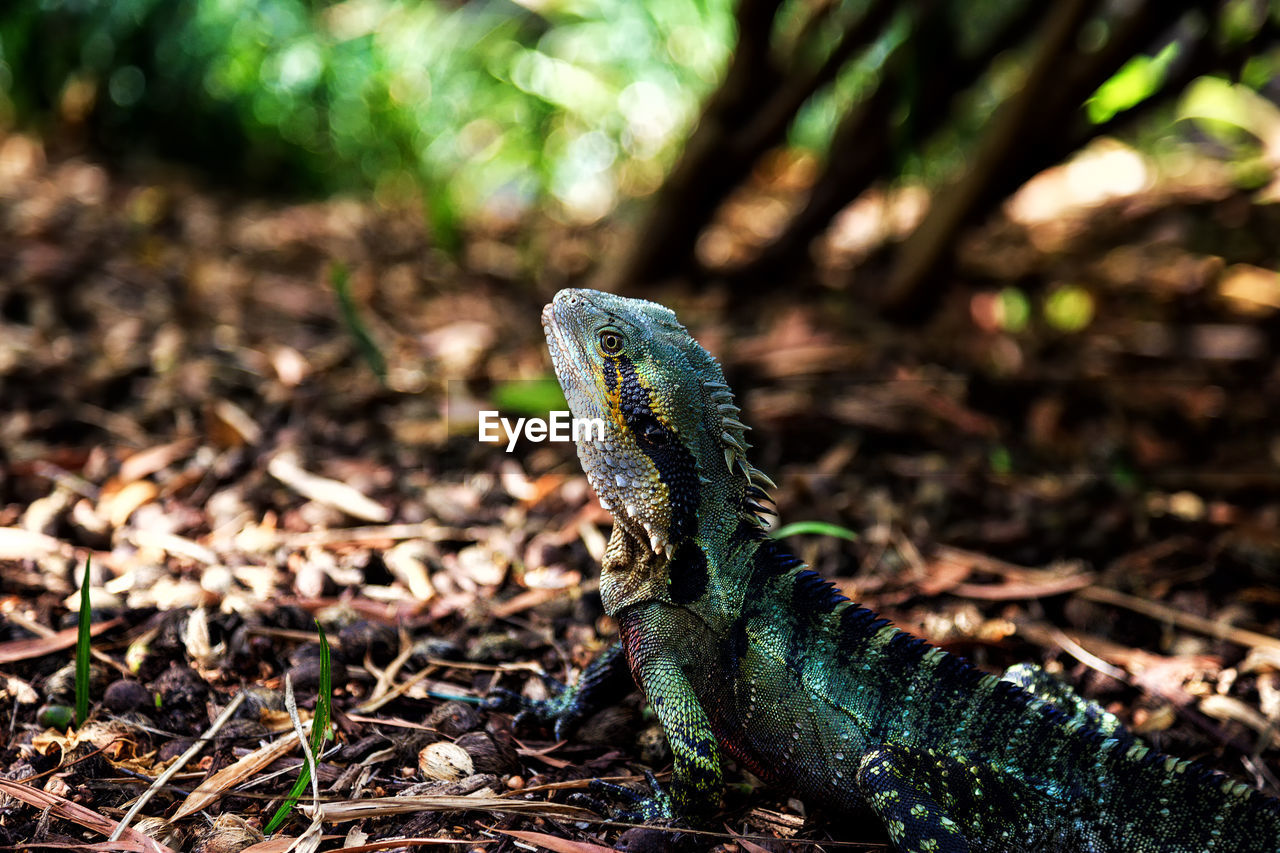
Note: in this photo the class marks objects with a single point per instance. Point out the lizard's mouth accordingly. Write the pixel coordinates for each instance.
(557, 346)
(560, 323)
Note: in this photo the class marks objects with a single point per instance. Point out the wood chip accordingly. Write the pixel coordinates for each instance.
(19, 544)
(117, 504)
(331, 493)
(178, 546)
(144, 463)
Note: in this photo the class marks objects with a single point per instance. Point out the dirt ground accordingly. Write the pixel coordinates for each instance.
(184, 402)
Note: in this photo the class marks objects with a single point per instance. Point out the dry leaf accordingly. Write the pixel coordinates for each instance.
(19, 544)
(144, 463)
(120, 502)
(76, 813)
(558, 845)
(16, 650)
(325, 491)
(220, 783)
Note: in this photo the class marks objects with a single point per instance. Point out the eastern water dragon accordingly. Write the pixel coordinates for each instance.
(739, 647)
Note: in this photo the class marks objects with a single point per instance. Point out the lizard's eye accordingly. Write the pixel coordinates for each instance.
(610, 342)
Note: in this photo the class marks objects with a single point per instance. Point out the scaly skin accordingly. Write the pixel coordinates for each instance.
(736, 645)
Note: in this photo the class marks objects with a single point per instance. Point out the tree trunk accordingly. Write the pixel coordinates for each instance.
(747, 116)
(1032, 131)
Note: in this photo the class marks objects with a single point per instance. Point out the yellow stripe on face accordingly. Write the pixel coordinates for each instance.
(673, 470)
(609, 378)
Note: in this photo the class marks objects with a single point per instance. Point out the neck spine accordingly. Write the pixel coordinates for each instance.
(747, 493)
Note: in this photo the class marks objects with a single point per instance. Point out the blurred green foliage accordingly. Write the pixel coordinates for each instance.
(1015, 309)
(1069, 308)
(816, 528)
(354, 321)
(1243, 122)
(490, 107)
(486, 106)
(529, 397)
(1139, 79)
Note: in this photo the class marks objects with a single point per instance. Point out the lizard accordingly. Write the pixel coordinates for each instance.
(739, 648)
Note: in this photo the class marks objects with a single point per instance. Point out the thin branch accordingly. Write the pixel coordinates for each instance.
(772, 121)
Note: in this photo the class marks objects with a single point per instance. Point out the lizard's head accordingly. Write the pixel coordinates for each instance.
(671, 437)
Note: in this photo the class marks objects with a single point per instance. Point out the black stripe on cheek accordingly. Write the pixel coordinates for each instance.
(611, 376)
(687, 573)
(676, 466)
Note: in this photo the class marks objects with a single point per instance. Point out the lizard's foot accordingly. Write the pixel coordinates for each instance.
(629, 805)
(663, 829)
(562, 712)
(602, 683)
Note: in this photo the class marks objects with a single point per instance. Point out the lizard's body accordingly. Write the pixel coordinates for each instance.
(735, 643)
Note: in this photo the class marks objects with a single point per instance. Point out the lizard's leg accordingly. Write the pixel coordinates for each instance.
(696, 782)
(1060, 695)
(603, 683)
(932, 802)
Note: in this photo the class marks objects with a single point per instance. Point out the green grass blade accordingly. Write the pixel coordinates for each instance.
(355, 323)
(320, 727)
(819, 528)
(82, 650)
(319, 732)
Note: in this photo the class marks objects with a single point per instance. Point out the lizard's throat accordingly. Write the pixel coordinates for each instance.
(635, 495)
(630, 572)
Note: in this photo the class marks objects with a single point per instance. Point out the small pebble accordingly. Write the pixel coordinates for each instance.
(127, 695)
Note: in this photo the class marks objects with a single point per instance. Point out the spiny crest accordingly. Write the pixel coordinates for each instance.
(757, 502)
(814, 594)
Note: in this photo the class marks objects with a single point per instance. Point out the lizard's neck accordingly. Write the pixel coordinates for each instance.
(706, 573)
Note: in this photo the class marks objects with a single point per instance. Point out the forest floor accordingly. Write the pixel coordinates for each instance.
(185, 403)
